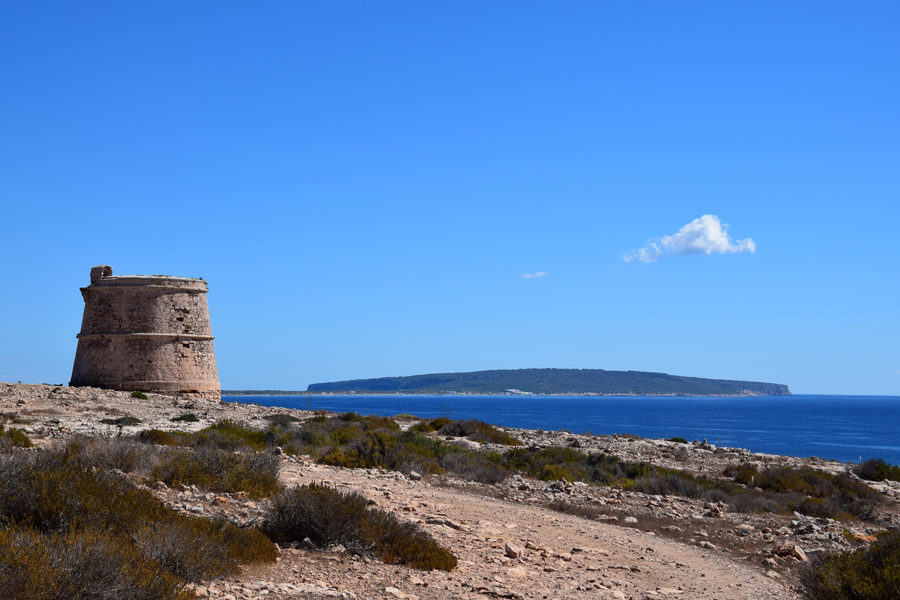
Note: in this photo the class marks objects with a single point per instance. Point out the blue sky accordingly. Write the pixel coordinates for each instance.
(364, 184)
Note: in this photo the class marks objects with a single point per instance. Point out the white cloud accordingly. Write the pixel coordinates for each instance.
(530, 275)
(706, 235)
(897, 372)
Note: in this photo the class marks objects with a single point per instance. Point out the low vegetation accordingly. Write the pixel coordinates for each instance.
(72, 531)
(139, 395)
(871, 573)
(355, 441)
(13, 438)
(218, 471)
(186, 418)
(122, 421)
(327, 517)
(809, 491)
(876, 469)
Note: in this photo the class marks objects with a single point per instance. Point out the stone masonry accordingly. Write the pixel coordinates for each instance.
(146, 333)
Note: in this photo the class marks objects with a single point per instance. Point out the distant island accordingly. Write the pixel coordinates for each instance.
(552, 382)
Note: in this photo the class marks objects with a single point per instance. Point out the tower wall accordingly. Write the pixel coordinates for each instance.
(146, 333)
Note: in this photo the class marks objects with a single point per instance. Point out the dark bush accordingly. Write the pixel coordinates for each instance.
(186, 418)
(329, 517)
(122, 421)
(871, 573)
(139, 395)
(479, 431)
(680, 440)
(429, 426)
(811, 492)
(281, 420)
(876, 469)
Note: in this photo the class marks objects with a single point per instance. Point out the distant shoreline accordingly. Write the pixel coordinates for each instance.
(484, 394)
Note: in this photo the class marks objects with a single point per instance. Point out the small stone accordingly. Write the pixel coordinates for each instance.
(513, 551)
(396, 593)
(414, 476)
(630, 520)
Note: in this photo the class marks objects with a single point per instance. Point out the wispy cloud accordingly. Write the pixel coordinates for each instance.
(538, 274)
(706, 235)
(897, 372)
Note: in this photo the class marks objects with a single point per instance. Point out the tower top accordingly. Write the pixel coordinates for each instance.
(102, 276)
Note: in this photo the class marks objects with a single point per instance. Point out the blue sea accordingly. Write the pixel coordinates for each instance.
(844, 428)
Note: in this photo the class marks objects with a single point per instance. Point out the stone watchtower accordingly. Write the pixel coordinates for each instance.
(146, 333)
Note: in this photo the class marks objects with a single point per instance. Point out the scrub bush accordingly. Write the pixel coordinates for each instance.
(229, 435)
(122, 421)
(162, 438)
(876, 469)
(328, 517)
(810, 492)
(72, 531)
(478, 431)
(433, 425)
(111, 453)
(871, 573)
(13, 437)
(186, 418)
(218, 471)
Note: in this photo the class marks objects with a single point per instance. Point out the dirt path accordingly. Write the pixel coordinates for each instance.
(563, 556)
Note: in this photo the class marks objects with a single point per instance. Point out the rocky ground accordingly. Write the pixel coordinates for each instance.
(511, 539)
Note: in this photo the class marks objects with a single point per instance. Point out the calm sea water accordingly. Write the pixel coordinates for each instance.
(837, 427)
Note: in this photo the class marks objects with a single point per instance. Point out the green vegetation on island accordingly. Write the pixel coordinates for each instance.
(556, 381)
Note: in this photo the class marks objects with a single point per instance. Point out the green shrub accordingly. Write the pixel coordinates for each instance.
(343, 435)
(14, 438)
(122, 421)
(229, 435)
(433, 425)
(876, 469)
(809, 491)
(329, 517)
(680, 440)
(139, 395)
(162, 438)
(281, 420)
(219, 471)
(186, 418)
(871, 573)
(478, 431)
